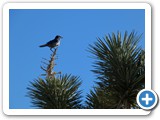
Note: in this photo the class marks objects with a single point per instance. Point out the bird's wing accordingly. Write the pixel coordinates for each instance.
(51, 42)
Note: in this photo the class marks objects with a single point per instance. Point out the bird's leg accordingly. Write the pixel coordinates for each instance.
(51, 49)
(55, 49)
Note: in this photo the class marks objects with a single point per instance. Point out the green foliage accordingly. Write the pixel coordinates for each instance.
(120, 69)
(56, 93)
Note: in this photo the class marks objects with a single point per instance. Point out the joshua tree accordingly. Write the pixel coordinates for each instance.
(55, 91)
(120, 69)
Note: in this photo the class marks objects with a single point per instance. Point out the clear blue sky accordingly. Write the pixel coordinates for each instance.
(79, 28)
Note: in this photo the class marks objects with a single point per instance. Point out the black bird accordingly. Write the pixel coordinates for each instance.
(53, 43)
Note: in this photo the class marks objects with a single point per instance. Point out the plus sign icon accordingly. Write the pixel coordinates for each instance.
(147, 99)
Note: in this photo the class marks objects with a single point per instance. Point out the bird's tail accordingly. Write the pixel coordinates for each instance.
(43, 45)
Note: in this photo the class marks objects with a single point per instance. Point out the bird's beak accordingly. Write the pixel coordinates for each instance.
(61, 37)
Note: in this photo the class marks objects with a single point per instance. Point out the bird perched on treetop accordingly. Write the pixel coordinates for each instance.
(53, 43)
